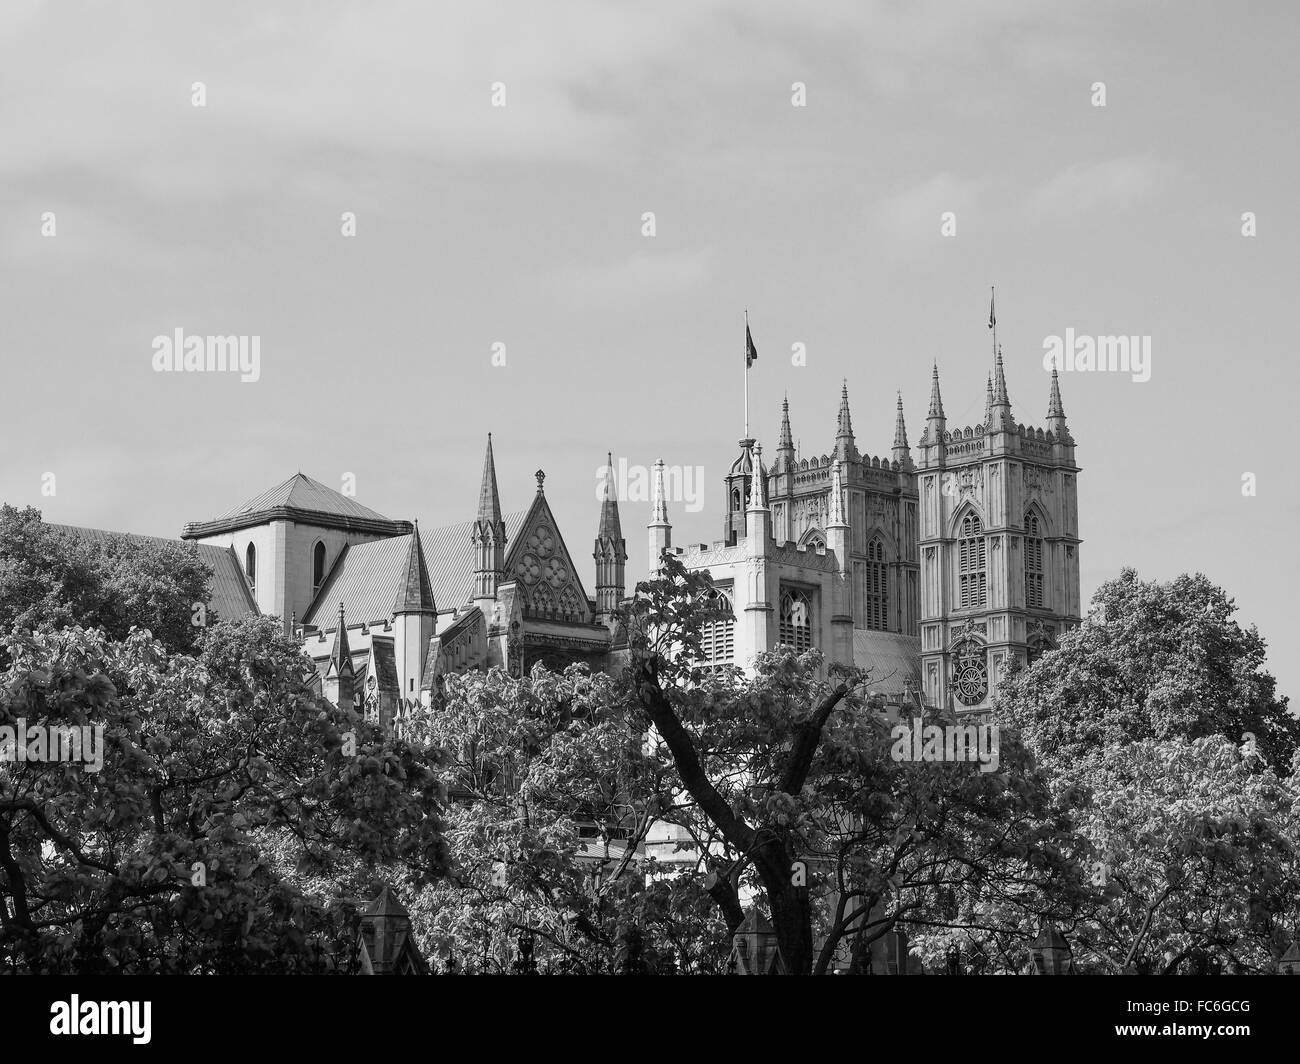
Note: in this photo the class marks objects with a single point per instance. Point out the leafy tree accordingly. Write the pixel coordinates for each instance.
(552, 792)
(1168, 662)
(789, 769)
(217, 768)
(1196, 852)
(50, 578)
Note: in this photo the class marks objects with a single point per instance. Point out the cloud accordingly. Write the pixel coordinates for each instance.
(1113, 185)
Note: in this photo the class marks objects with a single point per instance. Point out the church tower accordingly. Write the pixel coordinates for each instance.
(488, 539)
(415, 617)
(999, 541)
(611, 551)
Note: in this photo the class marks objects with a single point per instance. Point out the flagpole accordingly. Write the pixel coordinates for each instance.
(746, 373)
(993, 317)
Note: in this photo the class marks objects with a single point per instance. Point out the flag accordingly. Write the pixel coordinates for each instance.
(751, 352)
(993, 318)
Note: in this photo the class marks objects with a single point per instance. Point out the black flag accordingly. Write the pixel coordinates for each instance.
(751, 352)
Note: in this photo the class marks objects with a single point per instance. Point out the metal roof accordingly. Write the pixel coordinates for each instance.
(368, 576)
(230, 597)
(303, 493)
(891, 657)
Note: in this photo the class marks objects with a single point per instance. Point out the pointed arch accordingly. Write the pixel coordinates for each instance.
(813, 539)
(876, 590)
(1035, 558)
(796, 619)
(318, 570)
(718, 636)
(250, 566)
(971, 556)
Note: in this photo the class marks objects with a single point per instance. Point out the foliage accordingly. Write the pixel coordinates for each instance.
(216, 768)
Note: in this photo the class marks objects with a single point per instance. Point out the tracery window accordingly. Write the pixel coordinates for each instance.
(1034, 596)
(796, 620)
(876, 604)
(718, 640)
(970, 673)
(972, 571)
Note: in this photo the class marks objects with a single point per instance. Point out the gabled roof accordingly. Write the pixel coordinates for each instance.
(367, 576)
(301, 499)
(539, 519)
(230, 597)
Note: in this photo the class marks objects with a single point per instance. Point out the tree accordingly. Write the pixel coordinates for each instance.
(50, 578)
(1196, 851)
(552, 793)
(793, 772)
(216, 769)
(1168, 662)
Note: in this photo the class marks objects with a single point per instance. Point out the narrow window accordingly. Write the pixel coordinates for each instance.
(250, 566)
(877, 590)
(1034, 596)
(317, 567)
(971, 570)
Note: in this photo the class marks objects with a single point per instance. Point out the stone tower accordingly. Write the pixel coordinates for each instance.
(999, 541)
(610, 553)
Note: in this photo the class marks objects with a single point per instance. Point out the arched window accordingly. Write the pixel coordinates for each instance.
(735, 498)
(250, 566)
(876, 605)
(718, 637)
(796, 620)
(1034, 594)
(972, 574)
(1038, 647)
(317, 567)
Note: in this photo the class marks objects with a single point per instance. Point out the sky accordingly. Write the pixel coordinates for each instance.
(127, 212)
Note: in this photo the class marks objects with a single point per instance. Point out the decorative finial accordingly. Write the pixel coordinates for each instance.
(540, 477)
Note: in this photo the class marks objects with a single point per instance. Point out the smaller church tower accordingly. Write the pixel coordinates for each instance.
(415, 616)
(611, 550)
(488, 539)
(340, 676)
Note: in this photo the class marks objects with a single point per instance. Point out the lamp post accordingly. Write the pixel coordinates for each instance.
(1050, 952)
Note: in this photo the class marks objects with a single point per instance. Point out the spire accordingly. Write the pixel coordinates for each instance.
(1054, 408)
(901, 452)
(1056, 413)
(935, 422)
(844, 447)
(416, 593)
(785, 449)
(610, 528)
(999, 419)
(341, 654)
(758, 493)
(999, 381)
(836, 510)
(936, 401)
(659, 511)
(489, 505)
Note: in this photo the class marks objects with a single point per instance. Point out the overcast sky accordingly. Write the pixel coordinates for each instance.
(522, 225)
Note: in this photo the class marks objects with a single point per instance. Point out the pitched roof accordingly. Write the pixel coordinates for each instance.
(230, 596)
(891, 657)
(415, 595)
(302, 499)
(368, 576)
